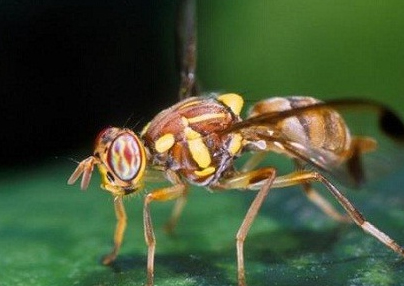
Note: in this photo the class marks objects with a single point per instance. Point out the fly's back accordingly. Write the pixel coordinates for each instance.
(185, 137)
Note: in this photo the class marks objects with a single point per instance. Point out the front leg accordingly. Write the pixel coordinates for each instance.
(119, 231)
(162, 194)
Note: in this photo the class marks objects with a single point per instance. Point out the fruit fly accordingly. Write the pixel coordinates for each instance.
(197, 140)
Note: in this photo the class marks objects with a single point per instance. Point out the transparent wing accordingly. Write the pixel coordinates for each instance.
(374, 128)
(388, 131)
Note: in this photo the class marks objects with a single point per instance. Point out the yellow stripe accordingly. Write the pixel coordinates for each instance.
(232, 100)
(164, 143)
(205, 172)
(199, 151)
(144, 130)
(184, 121)
(190, 104)
(235, 144)
(205, 117)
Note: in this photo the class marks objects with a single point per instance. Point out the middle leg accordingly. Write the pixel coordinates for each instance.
(266, 177)
(163, 194)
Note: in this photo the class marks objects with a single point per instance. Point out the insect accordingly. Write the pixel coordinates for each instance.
(197, 140)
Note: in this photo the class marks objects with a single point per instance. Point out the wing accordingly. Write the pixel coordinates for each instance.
(186, 42)
(369, 122)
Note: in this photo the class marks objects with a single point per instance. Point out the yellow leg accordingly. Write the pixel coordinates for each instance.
(119, 230)
(320, 201)
(252, 162)
(163, 194)
(310, 192)
(179, 203)
(304, 177)
(265, 177)
(176, 213)
(323, 204)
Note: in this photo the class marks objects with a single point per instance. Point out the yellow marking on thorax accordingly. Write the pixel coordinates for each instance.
(235, 144)
(205, 117)
(205, 172)
(144, 130)
(190, 104)
(199, 151)
(184, 121)
(234, 101)
(164, 143)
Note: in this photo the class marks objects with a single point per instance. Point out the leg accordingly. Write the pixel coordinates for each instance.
(253, 161)
(119, 230)
(175, 215)
(323, 204)
(246, 224)
(320, 201)
(163, 194)
(306, 176)
(156, 176)
(256, 180)
(265, 176)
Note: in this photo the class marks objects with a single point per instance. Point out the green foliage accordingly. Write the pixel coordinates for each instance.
(326, 49)
(54, 234)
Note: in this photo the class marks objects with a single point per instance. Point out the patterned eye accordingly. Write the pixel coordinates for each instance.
(125, 157)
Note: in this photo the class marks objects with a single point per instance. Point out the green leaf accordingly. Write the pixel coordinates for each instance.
(54, 234)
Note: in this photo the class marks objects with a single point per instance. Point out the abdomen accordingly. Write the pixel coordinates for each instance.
(320, 129)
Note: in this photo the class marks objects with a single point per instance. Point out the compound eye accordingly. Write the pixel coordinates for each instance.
(125, 157)
(102, 136)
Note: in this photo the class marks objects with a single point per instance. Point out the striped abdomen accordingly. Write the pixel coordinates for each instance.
(321, 129)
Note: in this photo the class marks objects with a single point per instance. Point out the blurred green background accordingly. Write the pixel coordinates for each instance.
(327, 49)
(53, 234)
